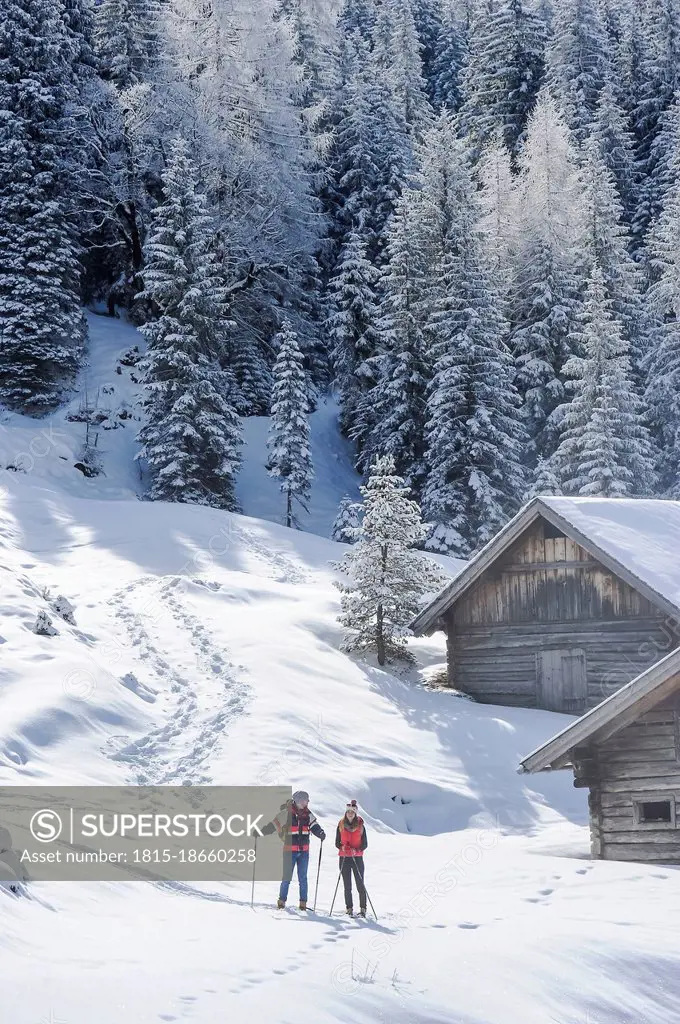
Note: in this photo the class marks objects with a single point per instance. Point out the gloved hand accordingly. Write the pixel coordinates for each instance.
(322, 835)
(347, 850)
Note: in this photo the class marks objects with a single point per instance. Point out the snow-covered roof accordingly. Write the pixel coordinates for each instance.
(613, 714)
(638, 539)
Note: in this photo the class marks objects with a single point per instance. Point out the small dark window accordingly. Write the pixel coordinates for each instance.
(655, 811)
(551, 532)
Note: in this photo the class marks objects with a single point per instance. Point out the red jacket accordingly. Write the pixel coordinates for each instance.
(351, 840)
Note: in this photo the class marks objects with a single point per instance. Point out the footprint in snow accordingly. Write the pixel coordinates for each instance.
(468, 926)
(545, 892)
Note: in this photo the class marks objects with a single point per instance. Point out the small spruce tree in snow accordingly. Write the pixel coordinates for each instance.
(289, 453)
(191, 440)
(545, 480)
(347, 522)
(386, 577)
(604, 448)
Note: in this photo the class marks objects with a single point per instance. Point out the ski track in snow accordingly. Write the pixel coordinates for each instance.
(176, 752)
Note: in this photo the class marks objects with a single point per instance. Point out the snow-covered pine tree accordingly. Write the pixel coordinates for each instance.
(391, 416)
(386, 578)
(474, 434)
(608, 243)
(399, 54)
(192, 436)
(504, 72)
(290, 459)
(371, 155)
(352, 326)
(659, 81)
(42, 330)
(545, 480)
(662, 303)
(497, 210)
(604, 449)
(127, 39)
(345, 529)
(615, 144)
(445, 80)
(547, 270)
(578, 62)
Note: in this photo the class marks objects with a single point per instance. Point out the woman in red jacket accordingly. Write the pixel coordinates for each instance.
(351, 841)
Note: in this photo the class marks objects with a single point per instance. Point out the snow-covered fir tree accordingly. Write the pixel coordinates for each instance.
(446, 69)
(192, 436)
(127, 39)
(345, 529)
(391, 415)
(604, 448)
(42, 330)
(662, 304)
(386, 577)
(497, 200)
(352, 325)
(474, 435)
(288, 443)
(578, 62)
(547, 268)
(504, 72)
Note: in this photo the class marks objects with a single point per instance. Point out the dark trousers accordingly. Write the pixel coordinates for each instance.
(353, 866)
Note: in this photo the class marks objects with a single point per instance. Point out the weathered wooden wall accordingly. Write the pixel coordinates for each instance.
(643, 760)
(547, 594)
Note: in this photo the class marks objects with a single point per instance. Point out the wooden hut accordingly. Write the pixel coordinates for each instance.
(571, 600)
(626, 752)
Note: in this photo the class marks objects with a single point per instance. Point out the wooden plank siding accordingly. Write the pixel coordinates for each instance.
(641, 762)
(546, 593)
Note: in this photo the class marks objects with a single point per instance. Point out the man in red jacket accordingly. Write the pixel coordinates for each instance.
(351, 841)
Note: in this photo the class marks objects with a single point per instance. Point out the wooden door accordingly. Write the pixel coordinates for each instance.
(562, 680)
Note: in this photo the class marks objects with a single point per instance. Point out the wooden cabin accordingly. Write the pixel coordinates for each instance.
(626, 752)
(570, 601)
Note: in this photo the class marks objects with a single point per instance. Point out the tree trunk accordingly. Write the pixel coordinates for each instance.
(380, 639)
(289, 510)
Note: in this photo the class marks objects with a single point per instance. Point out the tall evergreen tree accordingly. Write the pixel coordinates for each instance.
(504, 72)
(663, 364)
(391, 416)
(352, 326)
(578, 62)
(474, 434)
(41, 325)
(386, 578)
(399, 54)
(615, 143)
(608, 242)
(290, 459)
(446, 68)
(547, 270)
(604, 448)
(127, 39)
(497, 211)
(191, 439)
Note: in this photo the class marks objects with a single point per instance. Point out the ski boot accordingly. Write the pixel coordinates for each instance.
(303, 904)
(280, 904)
(362, 912)
(349, 912)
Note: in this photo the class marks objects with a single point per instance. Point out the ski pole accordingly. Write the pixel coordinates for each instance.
(318, 872)
(252, 894)
(357, 879)
(330, 912)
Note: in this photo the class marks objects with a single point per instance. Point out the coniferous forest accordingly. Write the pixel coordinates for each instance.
(463, 216)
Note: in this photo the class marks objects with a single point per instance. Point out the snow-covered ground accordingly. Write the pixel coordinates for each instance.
(206, 649)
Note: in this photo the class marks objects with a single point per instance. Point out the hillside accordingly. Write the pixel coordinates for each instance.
(206, 650)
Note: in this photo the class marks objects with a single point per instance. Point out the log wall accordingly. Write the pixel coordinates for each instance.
(549, 594)
(640, 763)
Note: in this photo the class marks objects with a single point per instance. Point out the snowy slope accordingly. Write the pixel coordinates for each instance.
(206, 649)
(48, 449)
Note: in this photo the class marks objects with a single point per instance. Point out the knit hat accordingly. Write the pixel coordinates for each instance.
(352, 805)
(300, 794)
